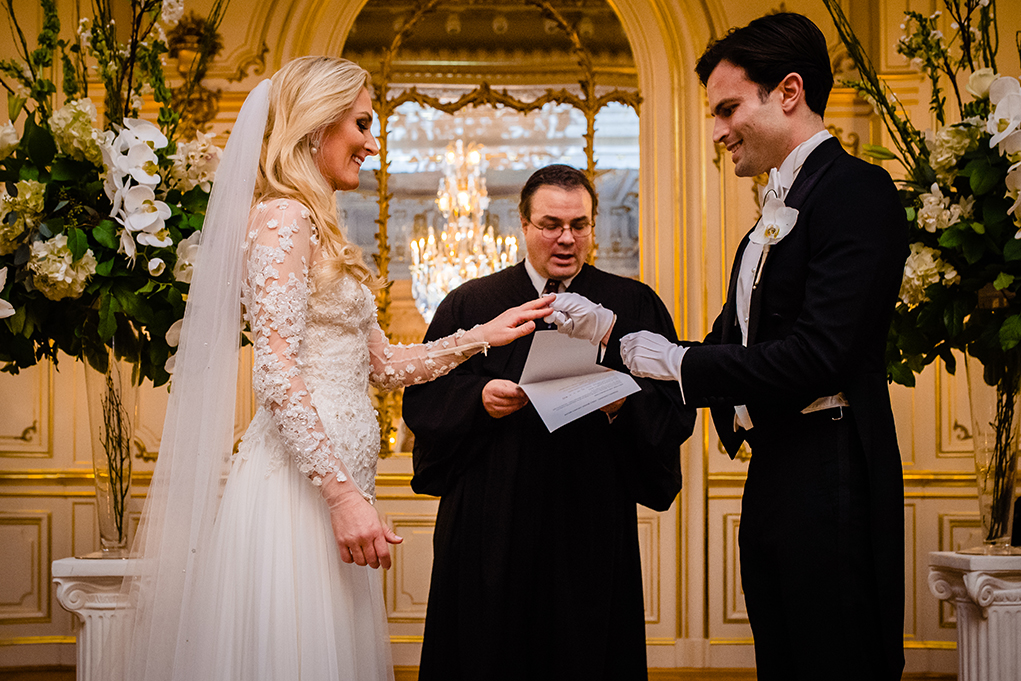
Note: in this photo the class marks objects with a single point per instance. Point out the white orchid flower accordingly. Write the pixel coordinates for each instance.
(776, 223)
(174, 333)
(144, 132)
(159, 238)
(6, 309)
(141, 163)
(127, 245)
(187, 254)
(1013, 182)
(1005, 97)
(156, 266)
(142, 211)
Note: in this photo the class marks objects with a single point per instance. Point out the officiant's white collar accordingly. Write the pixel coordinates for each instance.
(539, 282)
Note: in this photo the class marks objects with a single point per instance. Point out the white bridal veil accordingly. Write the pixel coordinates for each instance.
(198, 433)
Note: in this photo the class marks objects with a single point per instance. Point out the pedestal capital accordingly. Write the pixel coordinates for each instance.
(982, 580)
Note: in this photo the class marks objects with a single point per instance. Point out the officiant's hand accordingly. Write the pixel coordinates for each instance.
(362, 537)
(511, 325)
(579, 317)
(650, 355)
(502, 398)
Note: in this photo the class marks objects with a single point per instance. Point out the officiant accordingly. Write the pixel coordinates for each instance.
(536, 569)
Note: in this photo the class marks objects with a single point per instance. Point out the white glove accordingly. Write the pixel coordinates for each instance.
(579, 317)
(649, 355)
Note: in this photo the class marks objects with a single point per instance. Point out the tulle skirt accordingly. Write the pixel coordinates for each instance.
(273, 601)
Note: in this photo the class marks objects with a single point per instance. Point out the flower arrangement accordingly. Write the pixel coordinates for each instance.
(961, 196)
(99, 223)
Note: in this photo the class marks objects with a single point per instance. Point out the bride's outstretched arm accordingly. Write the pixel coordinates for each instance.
(281, 240)
(395, 365)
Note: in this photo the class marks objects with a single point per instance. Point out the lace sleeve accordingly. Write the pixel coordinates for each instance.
(392, 366)
(281, 239)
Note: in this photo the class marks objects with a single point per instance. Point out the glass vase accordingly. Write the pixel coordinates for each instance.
(996, 427)
(112, 400)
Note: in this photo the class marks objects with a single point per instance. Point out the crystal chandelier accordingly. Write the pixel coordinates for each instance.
(465, 249)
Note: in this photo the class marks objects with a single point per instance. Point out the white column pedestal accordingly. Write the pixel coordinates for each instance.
(90, 589)
(986, 591)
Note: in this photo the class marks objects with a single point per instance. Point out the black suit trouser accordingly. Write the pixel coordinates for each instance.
(807, 564)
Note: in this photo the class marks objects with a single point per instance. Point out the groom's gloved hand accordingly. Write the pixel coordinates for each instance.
(650, 355)
(579, 317)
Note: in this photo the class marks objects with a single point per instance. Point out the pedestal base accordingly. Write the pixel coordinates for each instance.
(986, 591)
(90, 589)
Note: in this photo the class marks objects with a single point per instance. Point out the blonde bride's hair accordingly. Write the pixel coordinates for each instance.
(309, 95)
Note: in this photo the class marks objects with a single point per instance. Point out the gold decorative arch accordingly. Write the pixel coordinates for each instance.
(589, 102)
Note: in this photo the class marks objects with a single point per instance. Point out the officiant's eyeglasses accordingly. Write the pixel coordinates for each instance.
(551, 231)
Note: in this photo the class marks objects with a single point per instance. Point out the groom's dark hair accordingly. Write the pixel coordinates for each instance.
(770, 48)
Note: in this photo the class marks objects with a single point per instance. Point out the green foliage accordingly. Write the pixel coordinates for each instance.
(123, 298)
(962, 279)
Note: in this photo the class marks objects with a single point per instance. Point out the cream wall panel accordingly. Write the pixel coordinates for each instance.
(649, 548)
(406, 586)
(25, 417)
(25, 566)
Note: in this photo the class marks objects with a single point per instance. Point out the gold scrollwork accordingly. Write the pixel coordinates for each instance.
(853, 140)
(258, 61)
(589, 103)
(26, 435)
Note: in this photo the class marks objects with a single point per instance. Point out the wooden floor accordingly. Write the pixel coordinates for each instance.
(411, 674)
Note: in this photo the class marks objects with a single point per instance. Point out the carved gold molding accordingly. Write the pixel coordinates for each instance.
(589, 102)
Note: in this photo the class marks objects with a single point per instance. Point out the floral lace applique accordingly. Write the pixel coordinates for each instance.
(393, 366)
(275, 293)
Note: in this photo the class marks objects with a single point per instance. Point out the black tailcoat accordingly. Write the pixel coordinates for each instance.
(822, 493)
(536, 570)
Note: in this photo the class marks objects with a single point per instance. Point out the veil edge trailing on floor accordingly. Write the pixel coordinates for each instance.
(198, 432)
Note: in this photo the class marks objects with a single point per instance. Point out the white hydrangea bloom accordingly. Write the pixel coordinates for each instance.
(923, 268)
(57, 274)
(10, 232)
(949, 144)
(8, 139)
(187, 253)
(195, 162)
(937, 213)
(171, 12)
(74, 132)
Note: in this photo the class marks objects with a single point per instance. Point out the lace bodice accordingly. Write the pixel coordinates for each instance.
(318, 347)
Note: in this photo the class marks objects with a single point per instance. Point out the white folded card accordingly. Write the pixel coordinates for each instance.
(563, 381)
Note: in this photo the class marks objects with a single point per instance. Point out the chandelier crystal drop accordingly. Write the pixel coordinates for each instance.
(466, 248)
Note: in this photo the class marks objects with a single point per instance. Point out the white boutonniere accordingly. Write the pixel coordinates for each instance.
(776, 223)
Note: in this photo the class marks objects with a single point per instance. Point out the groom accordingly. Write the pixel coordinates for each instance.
(794, 365)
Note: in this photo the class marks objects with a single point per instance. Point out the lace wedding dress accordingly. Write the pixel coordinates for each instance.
(273, 601)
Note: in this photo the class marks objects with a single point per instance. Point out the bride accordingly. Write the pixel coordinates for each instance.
(265, 575)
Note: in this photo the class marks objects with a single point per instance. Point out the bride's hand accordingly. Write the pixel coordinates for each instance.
(362, 537)
(513, 324)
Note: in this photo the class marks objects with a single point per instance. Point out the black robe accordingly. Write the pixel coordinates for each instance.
(536, 570)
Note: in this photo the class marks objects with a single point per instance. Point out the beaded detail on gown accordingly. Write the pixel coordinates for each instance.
(272, 600)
